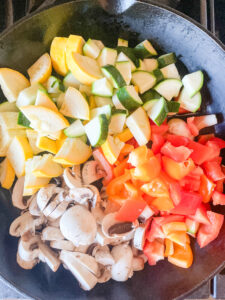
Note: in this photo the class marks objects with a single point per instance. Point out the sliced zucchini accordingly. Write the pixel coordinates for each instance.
(117, 121)
(99, 44)
(128, 97)
(193, 82)
(149, 104)
(141, 65)
(60, 99)
(139, 125)
(70, 80)
(145, 49)
(76, 129)
(123, 57)
(169, 88)
(150, 95)
(102, 87)
(105, 110)
(158, 112)
(75, 105)
(107, 56)
(84, 138)
(158, 75)
(144, 80)
(8, 107)
(122, 42)
(55, 85)
(150, 64)
(28, 95)
(114, 76)
(97, 130)
(91, 49)
(124, 67)
(188, 103)
(117, 103)
(170, 71)
(22, 120)
(167, 59)
(129, 52)
(173, 107)
(101, 101)
(85, 89)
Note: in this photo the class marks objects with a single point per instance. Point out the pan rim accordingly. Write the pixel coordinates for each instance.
(23, 292)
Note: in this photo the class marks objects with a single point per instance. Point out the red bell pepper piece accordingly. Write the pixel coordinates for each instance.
(220, 143)
(130, 210)
(205, 138)
(177, 140)
(213, 145)
(219, 185)
(188, 205)
(201, 153)
(133, 142)
(100, 158)
(178, 154)
(175, 192)
(191, 125)
(162, 129)
(154, 232)
(191, 182)
(218, 198)
(213, 170)
(200, 215)
(168, 219)
(154, 251)
(206, 188)
(157, 142)
(208, 233)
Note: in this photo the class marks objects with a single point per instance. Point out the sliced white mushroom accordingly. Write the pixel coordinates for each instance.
(100, 238)
(96, 199)
(98, 214)
(22, 224)
(59, 210)
(139, 236)
(53, 222)
(123, 257)
(114, 228)
(17, 195)
(29, 250)
(78, 226)
(146, 214)
(144, 257)
(49, 257)
(135, 251)
(86, 279)
(72, 177)
(62, 245)
(33, 207)
(26, 264)
(105, 274)
(82, 248)
(138, 264)
(88, 262)
(91, 172)
(51, 233)
(81, 196)
(46, 194)
(103, 256)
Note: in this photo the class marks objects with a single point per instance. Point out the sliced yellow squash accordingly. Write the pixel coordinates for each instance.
(46, 144)
(58, 55)
(111, 149)
(12, 83)
(46, 167)
(29, 192)
(7, 174)
(41, 69)
(44, 100)
(32, 136)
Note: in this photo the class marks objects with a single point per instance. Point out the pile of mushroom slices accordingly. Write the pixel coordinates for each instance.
(72, 223)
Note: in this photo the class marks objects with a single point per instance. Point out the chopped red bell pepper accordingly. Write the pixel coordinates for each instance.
(177, 140)
(100, 158)
(219, 185)
(201, 153)
(208, 233)
(133, 142)
(191, 125)
(213, 145)
(168, 219)
(162, 129)
(178, 154)
(130, 210)
(154, 232)
(220, 143)
(213, 170)
(200, 215)
(189, 203)
(157, 142)
(191, 182)
(206, 188)
(154, 251)
(205, 138)
(218, 198)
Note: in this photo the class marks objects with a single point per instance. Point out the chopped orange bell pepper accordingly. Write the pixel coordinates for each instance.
(174, 226)
(127, 148)
(177, 170)
(182, 256)
(179, 237)
(140, 155)
(155, 188)
(125, 135)
(147, 171)
(120, 168)
(169, 248)
(116, 186)
(132, 190)
(163, 203)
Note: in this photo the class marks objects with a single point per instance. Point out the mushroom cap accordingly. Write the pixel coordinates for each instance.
(72, 177)
(22, 224)
(78, 226)
(17, 195)
(91, 172)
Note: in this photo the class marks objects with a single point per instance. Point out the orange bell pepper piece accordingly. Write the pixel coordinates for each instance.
(147, 171)
(120, 168)
(140, 155)
(179, 237)
(125, 135)
(155, 188)
(169, 248)
(131, 189)
(163, 203)
(116, 186)
(177, 170)
(206, 188)
(182, 256)
(174, 226)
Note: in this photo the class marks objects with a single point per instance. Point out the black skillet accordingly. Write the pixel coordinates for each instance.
(170, 31)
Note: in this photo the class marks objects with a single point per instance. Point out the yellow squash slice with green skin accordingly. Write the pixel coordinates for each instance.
(7, 174)
(111, 149)
(18, 152)
(73, 152)
(58, 55)
(44, 119)
(41, 69)
(46, 167)
(74, 44)
(84, 68)
(12, 83)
